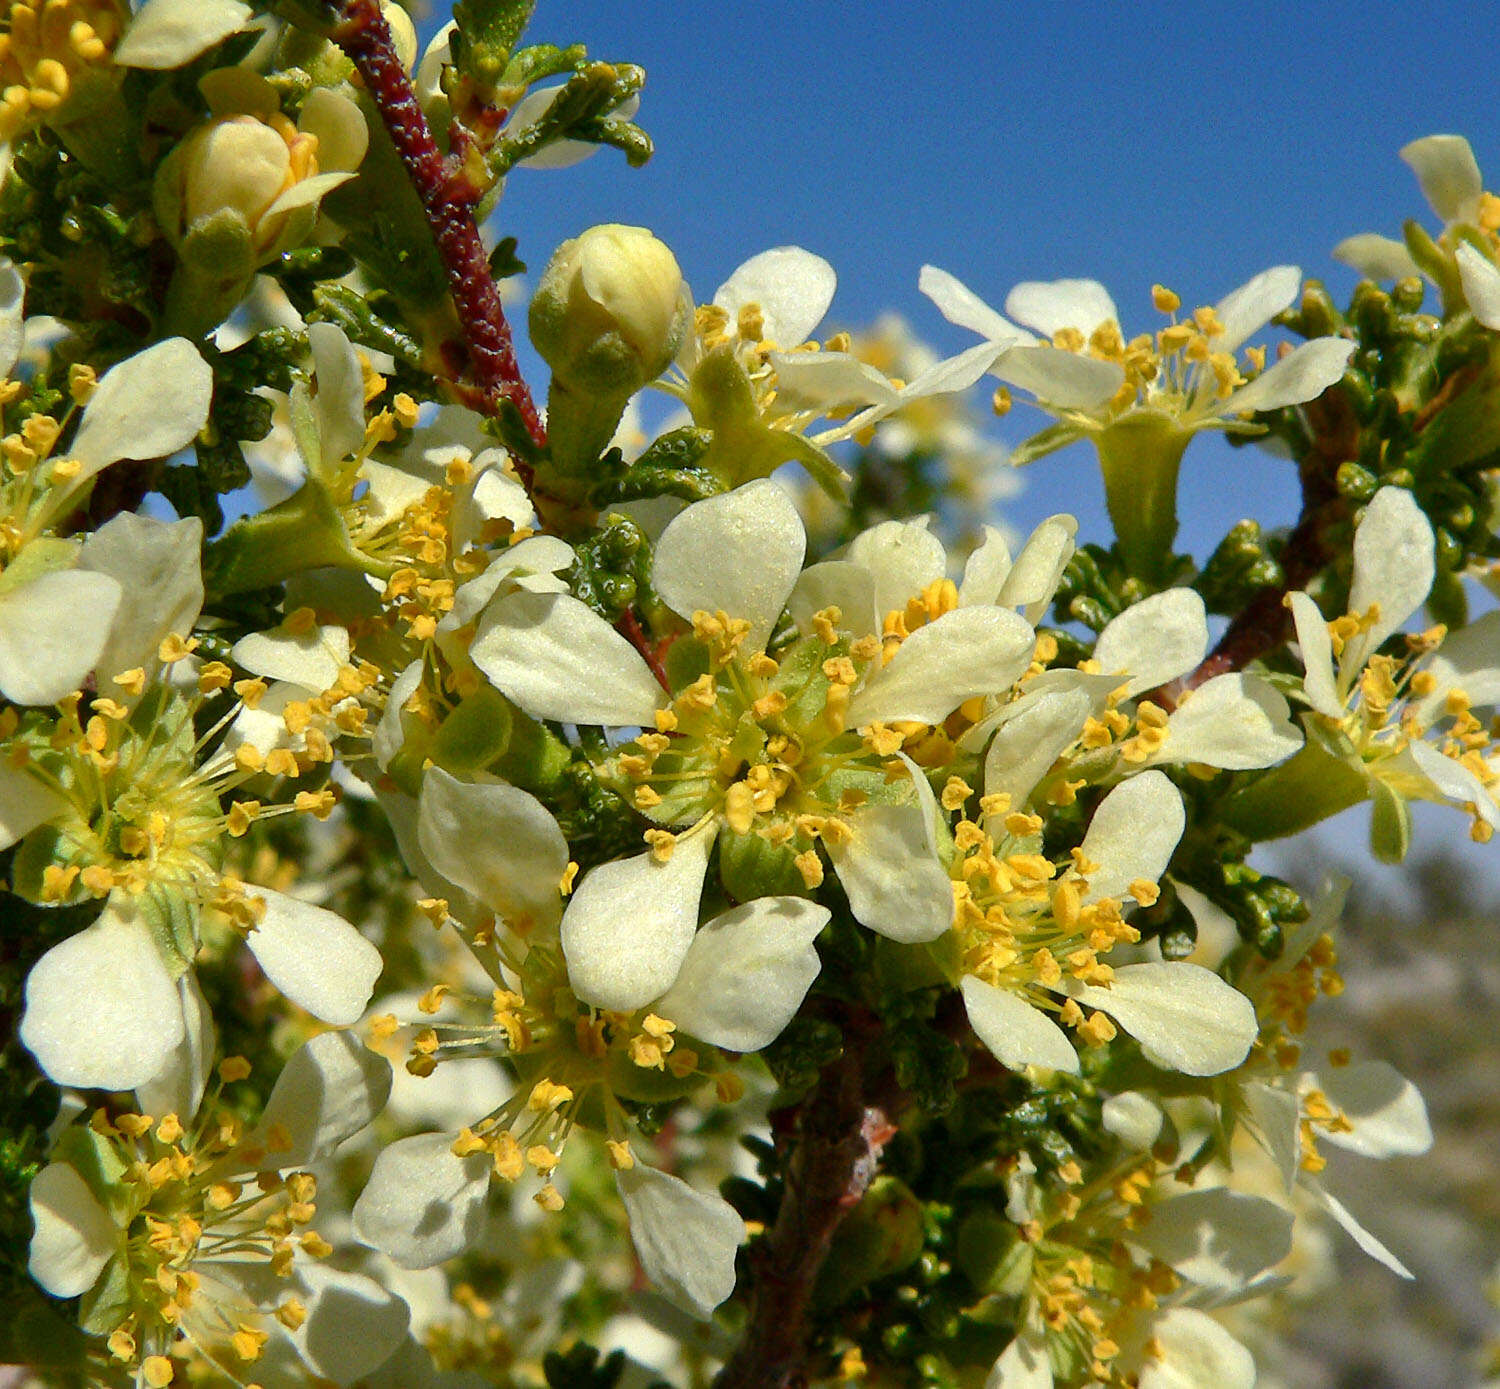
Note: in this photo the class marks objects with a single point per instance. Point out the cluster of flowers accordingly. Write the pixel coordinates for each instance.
(880, 741)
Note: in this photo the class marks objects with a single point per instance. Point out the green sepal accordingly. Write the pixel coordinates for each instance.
(303, 532)
(992, 1254)
(349, 310)
(172, 918)
(99, 1163)
(43, 848)
(475, 734)
(1433, 261)
(108, 1302)
(34, 1334)
(649, 1086)
(670, 467)
(1307, 788)
(751, 867)
(1390, 824)
(581, 111)
(1043, 442)
(536, 759)
(44, 555)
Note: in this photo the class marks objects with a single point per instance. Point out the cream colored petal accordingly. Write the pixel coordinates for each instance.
(329, 1089)
(1254, 304)
(1448, 173)
(1133, 834)
(101, 1009)
(1185, 1017)
(1386, 1113)
(1318, 682)
(1038, 569)
(1481, 282)
(1236, 721)
(793, 288)
(959, 304)
(558, 659)
(1156, 640)
(52, 631)
(171, 33)
(1393, 566)
(966, 652)
(1376, 257)
(496, 842)
(148, 406)
(739, 553)
(1051, 305)
(1217, 1238)
(74, 1236)
(422, 1205)
(902, 557)
(686, 1240)
(1195, 1351)
(746, 973)
(628, 927)
(1016, 1033)
(315, 957)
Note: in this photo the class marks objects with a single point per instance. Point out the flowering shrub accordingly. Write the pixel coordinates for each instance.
(422, 890)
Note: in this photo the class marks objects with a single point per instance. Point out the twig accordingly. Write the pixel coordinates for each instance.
(448, 197)
(1264, 622)
(836, 1135)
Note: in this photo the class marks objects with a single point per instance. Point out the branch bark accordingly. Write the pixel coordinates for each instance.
(1264, 623)
(835, 1136)
(448, 197)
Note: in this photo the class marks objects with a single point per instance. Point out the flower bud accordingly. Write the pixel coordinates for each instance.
(610, 311)
(246, 184)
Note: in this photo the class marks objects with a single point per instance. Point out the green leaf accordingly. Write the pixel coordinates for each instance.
(582, 110)
(487, 32)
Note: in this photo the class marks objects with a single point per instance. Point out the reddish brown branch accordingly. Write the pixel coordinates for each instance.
(1264, 623)
(629, 627)
(448, 197)
(836, 1135)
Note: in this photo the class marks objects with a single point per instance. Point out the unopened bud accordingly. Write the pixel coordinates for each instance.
(610, 311)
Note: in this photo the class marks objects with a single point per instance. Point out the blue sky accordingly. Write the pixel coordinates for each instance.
(1010, 141)
(1007, 141)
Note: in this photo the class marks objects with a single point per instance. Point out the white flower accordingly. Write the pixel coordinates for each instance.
(729, 565)
(1450, 179)
(1080, 369)
(199, 1258)
(1140, 402)
(751, 374)
(57, 615)
(1065, 721)
(1386, 728)
(1366, 1108)
(104, 1008)
(1052, 959)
